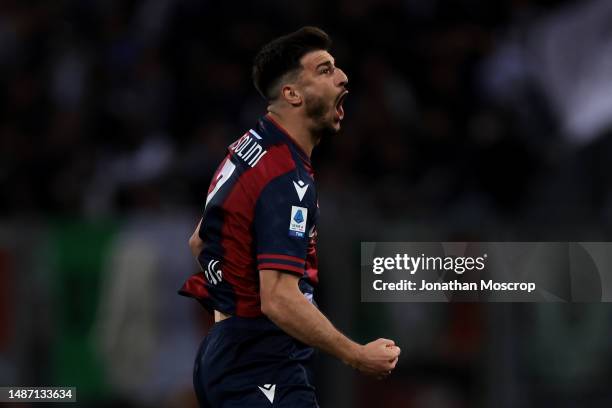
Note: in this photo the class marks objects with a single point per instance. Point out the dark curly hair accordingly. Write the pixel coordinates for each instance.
(282, 56)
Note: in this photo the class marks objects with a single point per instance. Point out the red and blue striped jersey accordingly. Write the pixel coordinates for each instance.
(261, 212)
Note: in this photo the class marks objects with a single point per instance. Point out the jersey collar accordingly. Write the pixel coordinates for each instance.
(290, 141)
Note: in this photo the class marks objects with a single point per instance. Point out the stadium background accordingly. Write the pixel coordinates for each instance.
(467, 120)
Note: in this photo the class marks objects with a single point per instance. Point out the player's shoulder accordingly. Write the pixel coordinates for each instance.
(260, 150)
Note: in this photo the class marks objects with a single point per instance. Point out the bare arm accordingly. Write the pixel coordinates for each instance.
(195, 242)
(286, 306)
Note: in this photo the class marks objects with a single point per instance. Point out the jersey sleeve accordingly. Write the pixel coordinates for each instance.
(282, 222)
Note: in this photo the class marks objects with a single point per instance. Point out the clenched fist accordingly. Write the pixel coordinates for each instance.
(377, 358)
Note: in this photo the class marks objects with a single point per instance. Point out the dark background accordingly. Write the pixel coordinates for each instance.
(467, 120)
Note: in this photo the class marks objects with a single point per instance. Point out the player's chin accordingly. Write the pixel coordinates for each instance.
(335, 125)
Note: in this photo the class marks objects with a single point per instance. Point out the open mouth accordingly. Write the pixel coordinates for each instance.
(339, 107)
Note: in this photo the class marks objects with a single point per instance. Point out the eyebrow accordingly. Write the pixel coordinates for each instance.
(328, 63)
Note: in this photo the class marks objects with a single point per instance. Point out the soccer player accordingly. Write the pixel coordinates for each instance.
(256, 243)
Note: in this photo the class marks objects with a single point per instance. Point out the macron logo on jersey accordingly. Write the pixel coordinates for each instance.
(300, 189)
(268, 390)
(248, 149)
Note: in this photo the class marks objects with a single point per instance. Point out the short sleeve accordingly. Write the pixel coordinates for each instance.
(282, 221)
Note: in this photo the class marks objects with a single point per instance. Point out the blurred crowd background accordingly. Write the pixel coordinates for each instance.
(467, 120)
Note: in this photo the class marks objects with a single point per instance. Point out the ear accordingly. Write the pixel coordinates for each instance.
(291, 94)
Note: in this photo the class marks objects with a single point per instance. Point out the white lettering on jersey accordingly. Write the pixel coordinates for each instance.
(254, 133)
(248, 149)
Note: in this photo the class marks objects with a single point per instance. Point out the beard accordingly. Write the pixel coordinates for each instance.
(317, 111)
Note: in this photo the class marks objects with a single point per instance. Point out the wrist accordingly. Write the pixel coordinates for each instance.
(353, 358)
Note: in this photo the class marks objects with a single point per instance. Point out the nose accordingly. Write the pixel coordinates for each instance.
(341, 77)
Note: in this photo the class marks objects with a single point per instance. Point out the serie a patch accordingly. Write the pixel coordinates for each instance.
(297, 222)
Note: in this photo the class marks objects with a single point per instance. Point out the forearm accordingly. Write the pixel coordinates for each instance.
(301, 319)
(283, 302)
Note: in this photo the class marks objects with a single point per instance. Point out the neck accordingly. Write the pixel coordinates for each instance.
(297, 129)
